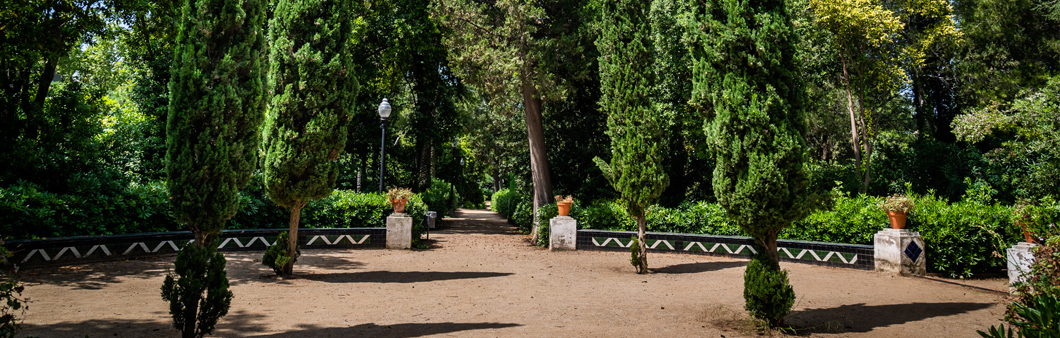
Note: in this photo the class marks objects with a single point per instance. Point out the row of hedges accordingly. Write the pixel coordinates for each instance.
(26, 212)
(964, 238)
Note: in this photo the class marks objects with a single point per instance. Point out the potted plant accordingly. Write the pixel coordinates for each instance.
(1023, 215)
(897, 207)
(398, 197)
(563, 204)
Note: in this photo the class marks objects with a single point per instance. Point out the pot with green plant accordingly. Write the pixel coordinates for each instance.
(563, 204)
(398, 197)
(897, 208)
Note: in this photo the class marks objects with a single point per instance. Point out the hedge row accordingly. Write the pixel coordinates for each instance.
(964, 238)
(27, 212)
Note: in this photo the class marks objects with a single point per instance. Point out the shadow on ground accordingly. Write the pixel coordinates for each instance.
(239, 321)
(698, 267)
(395, 330)
(865, 318)
(398, 277)
(95, 276)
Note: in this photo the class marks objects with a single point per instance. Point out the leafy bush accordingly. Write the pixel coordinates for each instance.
(200, 272)
(12, 305)
(523, 215)
(545, 214)
(505, 201)
(766, 290)
(851, 220)
(276, 257)
(474, 198)
(437, 196)
(349, 209)
(28, 212)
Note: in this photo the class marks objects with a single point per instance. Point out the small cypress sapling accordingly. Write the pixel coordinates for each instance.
(201, 271)
(766, 291)
(276, 255)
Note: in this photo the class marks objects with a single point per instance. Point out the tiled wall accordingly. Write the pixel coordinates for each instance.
(830, 254)
(74, 250)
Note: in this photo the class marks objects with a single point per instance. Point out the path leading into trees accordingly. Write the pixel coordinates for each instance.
(481, 279)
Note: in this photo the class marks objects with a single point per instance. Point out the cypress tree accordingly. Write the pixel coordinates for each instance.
(313, 86)
(745, 80)
(633, 122)
(216, 107)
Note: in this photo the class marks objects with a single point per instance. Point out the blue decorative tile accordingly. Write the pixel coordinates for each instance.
(913, 251)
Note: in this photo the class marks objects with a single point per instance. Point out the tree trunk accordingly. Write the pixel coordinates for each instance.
(769, 247)
(423, 165)
(190, 318)
(200, 238)
(292, 237)
(853, 119)
(538, 157)
(45, 82)
(642, 226)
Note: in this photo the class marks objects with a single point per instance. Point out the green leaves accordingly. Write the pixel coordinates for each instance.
(634, 125)
(216, 104)
(313, 86)
(745, 83)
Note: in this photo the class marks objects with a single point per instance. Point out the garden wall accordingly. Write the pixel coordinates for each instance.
(76, 250)
(838, 255)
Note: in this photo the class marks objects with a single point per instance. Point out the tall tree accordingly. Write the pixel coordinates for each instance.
(879, 53)
(499, 46)
(216, 105)
(637, 142)
(313, 85)
(746, 82)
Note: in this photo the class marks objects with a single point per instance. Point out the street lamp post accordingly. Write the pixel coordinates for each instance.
(384, 114)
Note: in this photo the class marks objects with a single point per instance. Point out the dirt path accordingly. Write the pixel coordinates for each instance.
(481, 279)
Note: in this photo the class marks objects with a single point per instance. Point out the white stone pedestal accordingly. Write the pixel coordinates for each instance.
(1019, 259)
(900, 251)
(399, 231)
(562, 233)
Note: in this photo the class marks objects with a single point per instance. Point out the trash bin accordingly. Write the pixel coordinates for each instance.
(431, 216)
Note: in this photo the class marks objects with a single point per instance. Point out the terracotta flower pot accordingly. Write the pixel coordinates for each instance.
(897, 219)
(564, 208)
(399, 205)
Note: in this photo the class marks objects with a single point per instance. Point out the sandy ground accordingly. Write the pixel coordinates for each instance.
(481, 279)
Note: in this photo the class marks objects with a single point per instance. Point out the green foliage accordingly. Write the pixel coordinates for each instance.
(437, 197)
(1039, 319)
(200, 273)
(637, 143)
(215, 108)
(12, 305)
(94, 208)
(747, 85)
(313, 83)
(276, 256)
(545, 214)
(474, 198)
(506, 201)
(767, 292)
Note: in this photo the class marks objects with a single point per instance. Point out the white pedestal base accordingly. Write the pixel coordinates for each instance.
(900, 251)
(562, 234)
(1019, 259)
(399, 231)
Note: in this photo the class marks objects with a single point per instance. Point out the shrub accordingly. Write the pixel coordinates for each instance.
(437, 196)
(964, 238)
(12, 305)
(851, 220)
(200, 271)
(523, 215)
(604, 215)
(475, 197)
(767, 292)
(348, 209)
(27, 212)
(505, 201)
(544, 215)
(276, 255)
